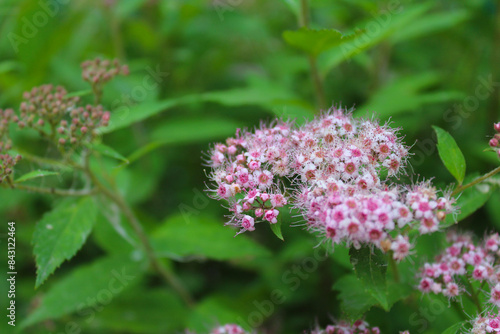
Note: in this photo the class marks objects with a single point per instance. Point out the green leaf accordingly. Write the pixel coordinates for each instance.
(87, 286)
(354, 299)
(454, 328)
(109, 152)
(315, 41)
(405, 94)
(470, 200)
(276, 228)
(450, 154)
(61, 233)
(187, 236)
(34, 174)
(371, 267)
(294, 6)
(80, 93)
(156, 310)
(127, 116)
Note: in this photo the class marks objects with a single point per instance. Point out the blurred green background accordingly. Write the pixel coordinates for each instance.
(212, 67)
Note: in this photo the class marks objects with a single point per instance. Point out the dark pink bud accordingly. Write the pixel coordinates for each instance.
(62, 141)
(106, 116)
(40, 122)
(497, 127)
(84, 129)
(493, 142)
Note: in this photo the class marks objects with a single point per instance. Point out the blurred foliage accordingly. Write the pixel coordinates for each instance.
(199, 70)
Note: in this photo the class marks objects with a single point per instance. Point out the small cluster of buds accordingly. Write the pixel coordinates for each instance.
(83, 125)
(334, 170)
(97, 71)
(7, 162)
(495, 141)
(55, 115)
(490, 323)
(44, 106)
(464, 260)
(229, 329)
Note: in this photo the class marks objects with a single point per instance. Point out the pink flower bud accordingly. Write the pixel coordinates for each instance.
(106, 116)
(496, 126)
(264, 197)
(60, 130)
(493, 142)
(62, 141)
(259, 212)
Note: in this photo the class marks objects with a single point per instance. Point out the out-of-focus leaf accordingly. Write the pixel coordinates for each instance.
(144, 311)
(315, 41)
(371, 268)
(198, 237)
(86, 287)
(454, 328)
(366, 40)
(109, 152)
(61, 233)
(184, 131)
(405, 95)
(34, 174)
(294, 6)
(354, 299)
(430, 23)
(450, 154)
(213, 311)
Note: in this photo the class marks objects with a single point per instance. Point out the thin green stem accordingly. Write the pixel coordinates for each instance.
(394, 267)
(476, 181)
(473, 295)
(169, 277)
(315, 75)
(54, 191)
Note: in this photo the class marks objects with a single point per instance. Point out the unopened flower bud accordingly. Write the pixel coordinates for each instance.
(493, 142)
(496, 126)
(385, 245)
(62, 141)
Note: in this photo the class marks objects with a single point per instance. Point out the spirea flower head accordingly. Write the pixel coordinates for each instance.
(336, 170)
(7, 162)
(464, 260)
(344, 327)
(489, 323)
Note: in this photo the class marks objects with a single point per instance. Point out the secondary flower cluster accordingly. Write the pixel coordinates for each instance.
(488, 324)
(7, 162)
(334, 170)
(464, 260)
(343, 327)
(495, 141)
(98, 72)
(55, 115)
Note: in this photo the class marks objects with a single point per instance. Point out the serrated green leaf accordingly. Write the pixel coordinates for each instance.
(450, 154)
(61, 233)
(354, 299)
(34, 174)
(315, 41)
(86, 287)
(371, 267)
(109, 152)
(191, 237)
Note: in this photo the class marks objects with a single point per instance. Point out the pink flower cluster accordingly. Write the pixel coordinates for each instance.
(495, 141)
(344, 327)
(228, 329)
(335, 170)
(464, 259)
(488, 324)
